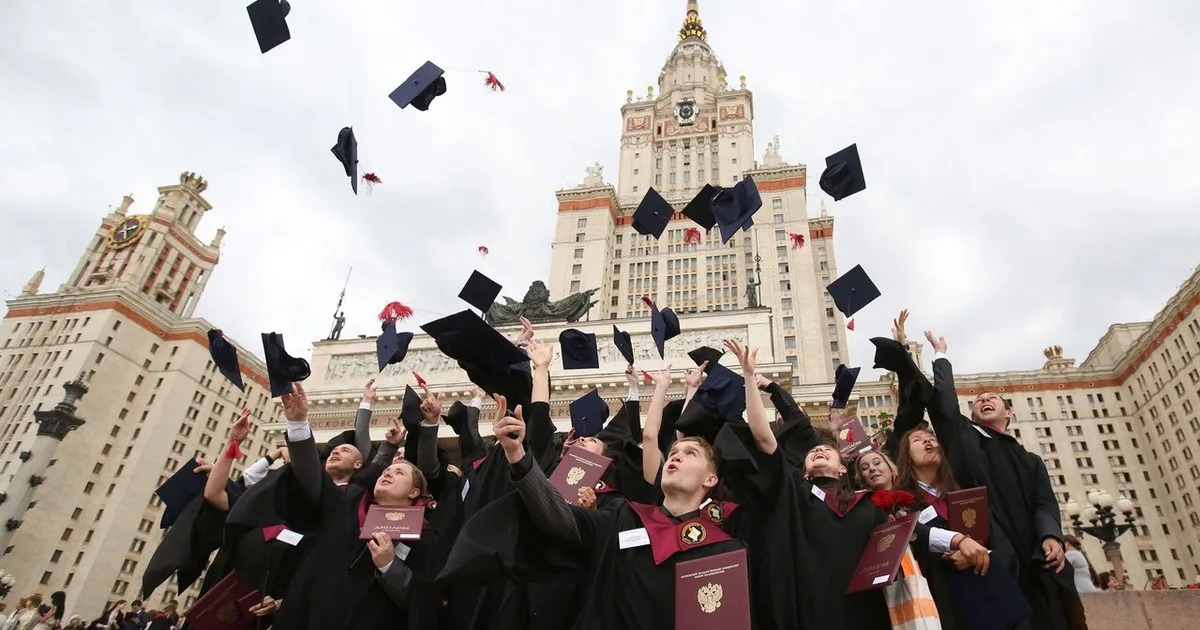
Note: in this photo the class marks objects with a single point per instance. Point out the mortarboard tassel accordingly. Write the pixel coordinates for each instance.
(370, 179)
(394, 311)
(648, 301)
(492, 82)
(483, 250)
(850, 325)
(646, 375)
(234, 450)
(692, 235)
(420, 381)
(797, 240)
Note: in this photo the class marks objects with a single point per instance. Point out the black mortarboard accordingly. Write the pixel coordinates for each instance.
(652, 214)
(670, 416)
(622, 342)
(852, 291)
(734, 447)
(720, 398)
(489, 359)
(419, 90)
(578, 350)
(705, 353)
(410, 411)
(282, 368)
(391, 346)
(890, 354)
(588, 414)
(843, 174)
(480, 291)
(699, 209)
(345, 437)
(733, 208)
(270, 27)
(346, 151)
(225, 357)
(179, 490)
(457, 418)
(664, 325)
(845, 379)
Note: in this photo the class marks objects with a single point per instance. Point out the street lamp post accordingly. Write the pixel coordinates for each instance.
(6, 583)
(1101, 516)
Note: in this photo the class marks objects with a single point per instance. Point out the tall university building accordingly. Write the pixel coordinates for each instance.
(1125, 419)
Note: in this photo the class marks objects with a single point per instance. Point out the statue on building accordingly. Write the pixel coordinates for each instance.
(772, 157)
(751, 296)
(594, 175)
(537, 307)
(339, 322)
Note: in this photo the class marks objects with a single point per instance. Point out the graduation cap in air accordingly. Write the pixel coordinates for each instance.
(734, 208)
(721, 398)
(345, 437)
(699, 209)
(734, 447)
(705, 353)
(270, 27)
(666, 433)
(480, 291)
(664, 324)
(652, 214)
(623, 343)
(490, 361)
(588, 414)
(346, 151)
(282, 368)
(179, 490)
(410, 410)
(843, 174)
(419, 89)
(845, 378)
(391, 346)
(578, 350)
(225, 357)
(851, 292)
(457, 418)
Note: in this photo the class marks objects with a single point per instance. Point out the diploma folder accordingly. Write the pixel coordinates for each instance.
(713, 592)
(967, 512)
(403, 523)
(882, 555)
(579, 468)
(218, 609)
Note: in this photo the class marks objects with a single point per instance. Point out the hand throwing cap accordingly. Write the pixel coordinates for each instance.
(419, 90)
(346, 151)
(270, 27)
(282, 369)
(652, 215)
(579, 350)
(843, 174)
(588, 414)
(225, 357)
(480, 291)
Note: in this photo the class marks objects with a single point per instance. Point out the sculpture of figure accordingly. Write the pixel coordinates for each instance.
(594, 175)
(751, 296)
(537, 307)
(339, 322)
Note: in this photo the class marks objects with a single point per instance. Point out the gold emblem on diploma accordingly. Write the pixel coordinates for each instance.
(969, 517)
(709, 597)
(574, 476)
(394, 516)
(227, 613)
(885, 542)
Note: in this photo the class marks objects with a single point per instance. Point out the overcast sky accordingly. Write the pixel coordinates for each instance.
(1031, 165)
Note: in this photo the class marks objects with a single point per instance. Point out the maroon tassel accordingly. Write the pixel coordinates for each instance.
(483, 250)
(394, 311)
(850, 325)
(692, 235)
(494, 83)
(234, 450)
(797, 240)
(646, 375)
(648, 301)
(420, 381)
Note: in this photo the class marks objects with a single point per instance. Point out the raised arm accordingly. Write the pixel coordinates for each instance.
(255, 472)
(214, 489)
(362, 420)
(756, 413)
(470, 445)
(427, 442)
(944, 411)
(549, 512)
(393, 439)
(783, 401)
(632, 403)
(306, 464)
(652, 458)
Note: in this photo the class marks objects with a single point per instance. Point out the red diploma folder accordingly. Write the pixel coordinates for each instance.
(853, 439)
(967, 511)
(713, 592)
(404, 523)
(578, 468)
(881, 558)
(218, 609)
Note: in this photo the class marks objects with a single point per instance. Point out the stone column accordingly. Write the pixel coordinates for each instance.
(1112, 553)
(53, 426)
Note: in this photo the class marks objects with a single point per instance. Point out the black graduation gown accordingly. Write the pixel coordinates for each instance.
(1023, 508)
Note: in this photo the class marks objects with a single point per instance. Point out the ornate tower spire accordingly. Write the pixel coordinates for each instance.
(692, 27)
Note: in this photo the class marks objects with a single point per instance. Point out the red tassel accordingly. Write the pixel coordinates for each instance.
(494, 83)
(394, 311)
(234, 450)
(483, 250)
(647, 377)
(648, 301)
(797, 240)
(692, 235)
(850, 325)
(420, 381)
(370, 179)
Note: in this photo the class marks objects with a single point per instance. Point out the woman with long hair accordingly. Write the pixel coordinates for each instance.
(875, 471)
(1085, 576)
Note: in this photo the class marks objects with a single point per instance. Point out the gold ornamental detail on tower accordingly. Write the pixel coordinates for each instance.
(128, 231)
(692, 27)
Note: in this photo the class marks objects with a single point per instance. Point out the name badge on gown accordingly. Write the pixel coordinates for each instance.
(401, 550)
(466, 488)
(290, 537)
(631, 538)
(928, 514)
(819, 493)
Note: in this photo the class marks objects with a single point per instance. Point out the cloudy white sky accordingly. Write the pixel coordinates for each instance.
(1031, 164)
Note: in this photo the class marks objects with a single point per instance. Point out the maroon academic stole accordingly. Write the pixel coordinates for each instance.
(830, 499)
(668, 537)
(938, 503)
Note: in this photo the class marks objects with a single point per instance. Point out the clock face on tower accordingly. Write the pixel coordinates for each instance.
(685, 112)
(126, 232)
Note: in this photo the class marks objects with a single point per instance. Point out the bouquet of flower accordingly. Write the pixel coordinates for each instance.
(895, 502)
